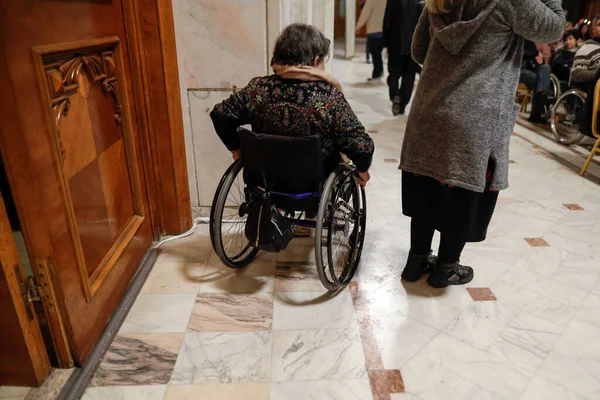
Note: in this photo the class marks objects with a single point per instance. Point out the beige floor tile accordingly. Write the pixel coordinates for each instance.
(174, 278)
(225, 391)
(224, 312)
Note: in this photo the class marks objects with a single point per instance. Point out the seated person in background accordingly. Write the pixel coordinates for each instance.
(584, 32)
(564, 55)
(536, 76)
(300, 99)
(587, 58)
(547, 51)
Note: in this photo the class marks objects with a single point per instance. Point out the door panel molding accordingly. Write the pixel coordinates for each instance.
(66, 70)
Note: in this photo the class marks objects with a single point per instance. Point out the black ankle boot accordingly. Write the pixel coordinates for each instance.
(417, 265)
(450, 274)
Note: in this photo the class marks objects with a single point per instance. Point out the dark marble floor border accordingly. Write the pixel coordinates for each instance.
(81, 377)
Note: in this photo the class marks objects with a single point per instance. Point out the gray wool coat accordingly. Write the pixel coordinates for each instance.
(464, 110)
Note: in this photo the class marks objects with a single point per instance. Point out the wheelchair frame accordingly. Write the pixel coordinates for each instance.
(330, 276)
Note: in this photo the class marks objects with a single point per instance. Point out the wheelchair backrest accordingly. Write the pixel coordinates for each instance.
(291, 165)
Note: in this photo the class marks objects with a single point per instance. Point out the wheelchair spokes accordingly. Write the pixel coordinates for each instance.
(228, 220)
(565, 117)
(342, 210)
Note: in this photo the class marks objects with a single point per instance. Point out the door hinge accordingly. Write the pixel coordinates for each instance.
(30, 291)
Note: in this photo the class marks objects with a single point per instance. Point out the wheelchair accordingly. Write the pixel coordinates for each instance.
(565, 113)
(289, 173)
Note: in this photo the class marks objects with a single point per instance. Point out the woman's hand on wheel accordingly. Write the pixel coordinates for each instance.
(362, 178)
(236, 155)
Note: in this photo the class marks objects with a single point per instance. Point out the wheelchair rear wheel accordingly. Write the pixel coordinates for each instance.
(228, 220)
(565, 117)
(341, 221)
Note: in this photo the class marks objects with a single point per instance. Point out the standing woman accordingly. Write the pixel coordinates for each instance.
(455, 152)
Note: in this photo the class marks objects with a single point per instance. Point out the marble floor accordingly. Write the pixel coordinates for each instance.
(526, 328)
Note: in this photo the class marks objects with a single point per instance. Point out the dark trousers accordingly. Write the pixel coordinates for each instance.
(401, 66)
(421, 236)
(538, 81)
(375, 45)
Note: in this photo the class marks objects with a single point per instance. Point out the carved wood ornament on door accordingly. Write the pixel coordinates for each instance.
(64, 79)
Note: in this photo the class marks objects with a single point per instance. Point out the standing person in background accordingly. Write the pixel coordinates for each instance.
(456, 145)
(399, 23)
(372, 16)
(362, 5)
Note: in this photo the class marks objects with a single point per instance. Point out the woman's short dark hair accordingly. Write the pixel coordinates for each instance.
(300, 44)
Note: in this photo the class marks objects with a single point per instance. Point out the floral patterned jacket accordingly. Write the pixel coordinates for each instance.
(277, 106)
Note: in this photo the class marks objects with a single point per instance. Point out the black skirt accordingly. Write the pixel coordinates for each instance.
(451, 210)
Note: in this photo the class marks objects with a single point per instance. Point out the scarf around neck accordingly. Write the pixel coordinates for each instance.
(306, 73)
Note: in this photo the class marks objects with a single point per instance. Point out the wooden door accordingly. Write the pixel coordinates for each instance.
(70, 138)
(339, 23)
(23, 357)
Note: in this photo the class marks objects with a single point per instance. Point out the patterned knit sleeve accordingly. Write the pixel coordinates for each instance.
(231, 114)
(350, 134)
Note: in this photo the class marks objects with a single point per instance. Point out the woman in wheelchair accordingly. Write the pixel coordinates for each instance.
(300, 99)
(301, 123)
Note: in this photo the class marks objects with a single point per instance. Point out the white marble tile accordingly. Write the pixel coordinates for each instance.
(572, 374)
(590, 310)
(487, 270)
(506, 247)
(427, 379)
(547, 308)
(490, 372)
(317, 355)
(399, 345)
(481, 323)
(526, 342)
(159, 313)
(573, 240)
(580, 341)
(155, 392)
(418, 301)
(219, 391)
(174, 277)
(224, 358)
(404, 396)
(544, 261)
(322, 390)
(309, 310)
(580, 271)
(542, 389)
(596, 288)
(581, 219)
(548, 287)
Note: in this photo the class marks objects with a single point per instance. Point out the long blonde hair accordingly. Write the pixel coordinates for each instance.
(441, 6)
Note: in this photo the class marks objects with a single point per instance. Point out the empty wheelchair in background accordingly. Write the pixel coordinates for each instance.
(277, 182)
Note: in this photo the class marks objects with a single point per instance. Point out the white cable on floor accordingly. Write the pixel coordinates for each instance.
(196, 222)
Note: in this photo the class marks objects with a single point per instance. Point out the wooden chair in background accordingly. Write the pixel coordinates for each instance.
(596, 147)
